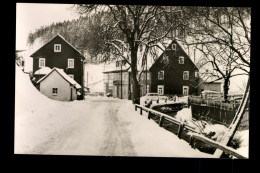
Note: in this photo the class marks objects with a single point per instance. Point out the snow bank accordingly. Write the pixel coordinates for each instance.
(159, 142)
(36, 116)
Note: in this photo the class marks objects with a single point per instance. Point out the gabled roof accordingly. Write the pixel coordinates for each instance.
(152, 57)
(64, 75)
(58, 35)
(162, 49)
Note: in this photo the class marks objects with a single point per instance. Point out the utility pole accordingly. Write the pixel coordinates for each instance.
(146, 75)
(121, 81)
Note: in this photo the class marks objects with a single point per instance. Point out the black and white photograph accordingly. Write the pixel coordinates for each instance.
(132, 80)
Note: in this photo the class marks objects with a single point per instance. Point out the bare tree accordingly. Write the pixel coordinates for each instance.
(129, 28)
(223, 36)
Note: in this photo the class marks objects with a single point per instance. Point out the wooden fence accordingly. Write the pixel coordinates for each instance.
(181, 130)
(216, 112)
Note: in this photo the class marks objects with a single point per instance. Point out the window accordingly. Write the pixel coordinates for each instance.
(161, 75)
(165, 59)
(147, 89)
(117, 64)
(160, 89)
(196, 74)
(57, 47)
(54, 91)
(186, 75)
(185, 90)
(181, 60)
(70, 63)
(71, 75)
(148, 76)
(41, 62)
(173, 46)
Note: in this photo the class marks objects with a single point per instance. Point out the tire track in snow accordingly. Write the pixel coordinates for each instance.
(117, 140)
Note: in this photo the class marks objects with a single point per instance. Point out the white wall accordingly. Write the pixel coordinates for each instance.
(55, 80)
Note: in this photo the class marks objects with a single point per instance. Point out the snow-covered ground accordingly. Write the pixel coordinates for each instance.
(95, 126)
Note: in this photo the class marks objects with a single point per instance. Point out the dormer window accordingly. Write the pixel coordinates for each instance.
(181, 60)
(41, 62)
(173, 46)
(70, 63)
(57, 47)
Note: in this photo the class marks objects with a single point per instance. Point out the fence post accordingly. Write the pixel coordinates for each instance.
(191, 141)
(161, 121)
(149, 115)
(141, 111)
(180, 130)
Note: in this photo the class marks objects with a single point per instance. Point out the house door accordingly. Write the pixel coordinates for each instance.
(185, 90)
(160, 89)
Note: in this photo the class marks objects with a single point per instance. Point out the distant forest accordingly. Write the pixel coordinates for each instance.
(81, 33)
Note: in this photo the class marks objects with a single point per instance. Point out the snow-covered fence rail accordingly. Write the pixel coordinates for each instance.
(212, 143)
(164, 117)
(196, 135)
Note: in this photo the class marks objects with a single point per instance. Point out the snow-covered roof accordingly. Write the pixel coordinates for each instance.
(64, 75)
(43, 71)
(58, 35)
(209, 91)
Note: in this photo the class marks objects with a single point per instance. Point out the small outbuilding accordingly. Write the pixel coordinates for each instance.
(58, 85)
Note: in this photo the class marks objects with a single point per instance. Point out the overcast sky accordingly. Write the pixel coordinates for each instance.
(31, 16)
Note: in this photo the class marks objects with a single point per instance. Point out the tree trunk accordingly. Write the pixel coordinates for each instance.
(134, 72)
(226, 89)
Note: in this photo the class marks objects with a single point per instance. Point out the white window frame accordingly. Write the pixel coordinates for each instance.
(184, 76)
(55, 93)
(160, 87)
(147, 88)
(57, 47)
(196, 74)
(161, 71)
(41, 59)
(174, 46)
(181, 62)
(70, 66)
(183, 89)
(71, 75)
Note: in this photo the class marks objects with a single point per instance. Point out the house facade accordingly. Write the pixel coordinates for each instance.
(171, 73)
(60, 54)
(117, 81)
(57, 85)
(174, 73)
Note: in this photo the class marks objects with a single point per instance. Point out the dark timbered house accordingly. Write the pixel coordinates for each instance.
(60, 54)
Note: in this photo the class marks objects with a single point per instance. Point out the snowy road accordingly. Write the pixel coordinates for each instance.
(98, 126)
(111, 127)
(98, 132)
